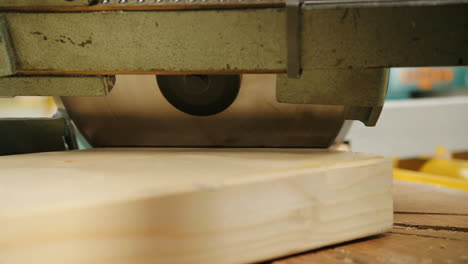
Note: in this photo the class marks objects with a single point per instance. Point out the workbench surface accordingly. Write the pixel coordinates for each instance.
(430, 226)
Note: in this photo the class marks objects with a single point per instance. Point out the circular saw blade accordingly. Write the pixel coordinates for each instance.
(136, 114)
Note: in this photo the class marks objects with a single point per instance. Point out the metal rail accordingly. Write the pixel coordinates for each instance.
(102, 5)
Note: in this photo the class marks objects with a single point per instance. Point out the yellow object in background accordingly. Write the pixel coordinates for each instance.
(426, 178)
(27, 106)
(439, 169)
(450, 168)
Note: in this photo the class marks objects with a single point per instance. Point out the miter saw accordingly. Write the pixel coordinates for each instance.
(217, 73)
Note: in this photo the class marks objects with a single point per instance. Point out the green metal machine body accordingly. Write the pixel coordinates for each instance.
(325, 52)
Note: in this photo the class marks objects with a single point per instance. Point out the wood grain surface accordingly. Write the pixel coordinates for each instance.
(431, 226)
(421, 198)
(187, 206)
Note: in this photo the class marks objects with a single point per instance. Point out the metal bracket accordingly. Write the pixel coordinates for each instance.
(31, 135)
(7, 57)
(25, 85)
(44, 3)
(293, 29)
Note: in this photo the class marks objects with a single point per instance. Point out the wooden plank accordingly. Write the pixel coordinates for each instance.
(433, 234)
(429, 225)
(448, 221)
(438, 212)
(187, 205)
(461, 155)
(421, 198)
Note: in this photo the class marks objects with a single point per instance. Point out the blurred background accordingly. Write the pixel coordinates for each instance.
(426, 108)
